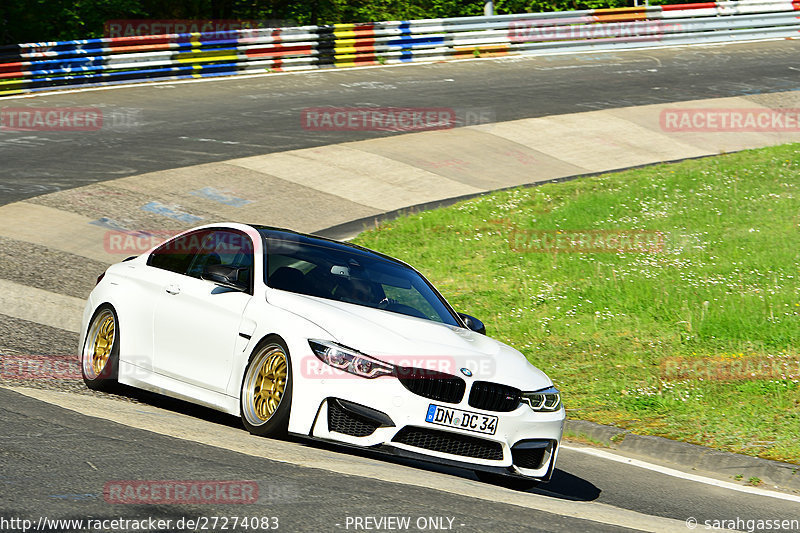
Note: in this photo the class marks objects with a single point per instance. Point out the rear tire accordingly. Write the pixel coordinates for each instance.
(266, 394)
(100, 353)
(509, 482)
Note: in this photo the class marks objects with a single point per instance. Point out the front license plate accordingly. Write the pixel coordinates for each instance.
(456, 418)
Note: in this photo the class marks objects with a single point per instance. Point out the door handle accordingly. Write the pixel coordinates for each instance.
(173, 289)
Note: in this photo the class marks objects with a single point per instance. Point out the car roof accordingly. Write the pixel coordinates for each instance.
(306, 238)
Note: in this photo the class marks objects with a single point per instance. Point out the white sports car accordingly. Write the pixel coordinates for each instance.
(323, 339)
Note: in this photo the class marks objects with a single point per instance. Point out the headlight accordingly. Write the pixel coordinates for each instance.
(349, 360)
(544, 400)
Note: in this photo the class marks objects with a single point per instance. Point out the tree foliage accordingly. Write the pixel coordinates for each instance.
(56, 20)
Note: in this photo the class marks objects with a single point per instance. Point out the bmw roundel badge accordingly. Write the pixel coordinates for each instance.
(467, 372)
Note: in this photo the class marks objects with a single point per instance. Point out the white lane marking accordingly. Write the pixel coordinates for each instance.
(200, 139)
(585, 65)
(683, 475)
(433, 62)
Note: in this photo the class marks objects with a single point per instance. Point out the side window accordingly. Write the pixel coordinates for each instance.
(224, 247)
(176, 255)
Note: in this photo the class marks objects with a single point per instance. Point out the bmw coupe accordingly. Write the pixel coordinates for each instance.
(308, 336)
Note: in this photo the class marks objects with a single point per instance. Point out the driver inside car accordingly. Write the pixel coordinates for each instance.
(357, 291)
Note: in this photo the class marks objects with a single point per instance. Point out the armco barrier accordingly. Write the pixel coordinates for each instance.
(44, 66)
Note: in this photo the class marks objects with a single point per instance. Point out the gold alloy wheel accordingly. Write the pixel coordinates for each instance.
(99, 343)
(265, 384)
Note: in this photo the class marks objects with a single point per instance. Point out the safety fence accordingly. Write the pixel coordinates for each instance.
(68, 64)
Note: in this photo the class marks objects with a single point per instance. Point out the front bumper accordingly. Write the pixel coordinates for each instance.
(526, 443)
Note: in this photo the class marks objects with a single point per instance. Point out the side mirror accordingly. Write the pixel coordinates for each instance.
(225, 276)
(473, 323)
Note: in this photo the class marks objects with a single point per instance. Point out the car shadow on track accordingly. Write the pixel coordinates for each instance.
(563, 485)
(566, 486)
(177, 406)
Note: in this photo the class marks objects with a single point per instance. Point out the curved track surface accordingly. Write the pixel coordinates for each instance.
(93, 440)
(58, 461)
(180, 124)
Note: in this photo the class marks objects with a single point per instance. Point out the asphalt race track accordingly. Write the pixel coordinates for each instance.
(56, 461)
(174, 125)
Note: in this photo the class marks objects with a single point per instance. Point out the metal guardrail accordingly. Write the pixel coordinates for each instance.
(44, 66)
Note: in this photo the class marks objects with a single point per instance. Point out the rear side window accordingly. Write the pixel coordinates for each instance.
(190, 254)
(224, 247)
(176, 255)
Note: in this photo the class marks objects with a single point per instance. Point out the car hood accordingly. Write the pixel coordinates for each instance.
(410, 341)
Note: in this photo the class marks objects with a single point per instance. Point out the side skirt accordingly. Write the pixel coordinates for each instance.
(150, 381)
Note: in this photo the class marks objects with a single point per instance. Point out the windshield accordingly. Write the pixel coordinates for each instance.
(336, 271)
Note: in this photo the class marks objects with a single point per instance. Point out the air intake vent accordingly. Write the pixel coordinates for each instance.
(342, 421)
(452, 443)
(530, 453)
(528, 458)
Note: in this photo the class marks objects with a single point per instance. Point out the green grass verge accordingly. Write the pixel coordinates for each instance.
(695, 340)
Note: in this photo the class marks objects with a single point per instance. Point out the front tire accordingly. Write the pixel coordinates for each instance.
(266, 394)
(100, 354)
